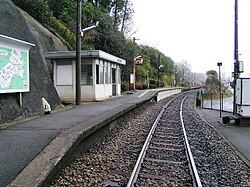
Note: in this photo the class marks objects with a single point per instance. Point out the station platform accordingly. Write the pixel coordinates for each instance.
(31, 149)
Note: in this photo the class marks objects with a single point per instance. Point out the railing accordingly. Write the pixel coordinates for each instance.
(211, 103)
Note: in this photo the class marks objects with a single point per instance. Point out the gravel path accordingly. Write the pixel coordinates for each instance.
(217, 163)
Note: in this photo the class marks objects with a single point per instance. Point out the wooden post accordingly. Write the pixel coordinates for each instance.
(134, 75)
(20, 100)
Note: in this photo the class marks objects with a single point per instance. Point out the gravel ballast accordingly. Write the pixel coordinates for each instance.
(111, 161)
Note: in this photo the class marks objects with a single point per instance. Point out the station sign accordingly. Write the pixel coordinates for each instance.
(138, 60)
(14, 65)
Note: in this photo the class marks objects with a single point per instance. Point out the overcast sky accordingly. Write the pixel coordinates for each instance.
(200, 32)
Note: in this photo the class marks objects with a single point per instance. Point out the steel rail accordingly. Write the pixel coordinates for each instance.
(137, 167)
(189, 153)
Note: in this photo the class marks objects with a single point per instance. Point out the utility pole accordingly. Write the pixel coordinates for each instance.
(134, 56)
(78, 52)
(134, 62)
(236, 54)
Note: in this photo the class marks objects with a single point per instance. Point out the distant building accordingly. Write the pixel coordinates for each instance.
(100, 74)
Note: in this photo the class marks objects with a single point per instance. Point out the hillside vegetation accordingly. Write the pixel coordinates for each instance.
(18, 24)
(115, 18)
(213, 86)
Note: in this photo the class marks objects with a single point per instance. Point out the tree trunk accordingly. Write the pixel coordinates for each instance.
(124, 16)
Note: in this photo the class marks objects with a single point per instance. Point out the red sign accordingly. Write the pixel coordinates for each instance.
(138, 60)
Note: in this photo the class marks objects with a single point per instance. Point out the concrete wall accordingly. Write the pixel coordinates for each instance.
(167, 92)
(64, 80)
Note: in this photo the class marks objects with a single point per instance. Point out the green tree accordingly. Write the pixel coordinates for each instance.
(114, 17)
(152, 65)
(127, 15)
(64, 10)
(39, 9)
(212, 83)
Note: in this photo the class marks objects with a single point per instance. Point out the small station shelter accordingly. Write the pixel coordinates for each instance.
(100, 74)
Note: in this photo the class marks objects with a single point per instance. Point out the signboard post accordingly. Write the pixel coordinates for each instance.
(137, 61)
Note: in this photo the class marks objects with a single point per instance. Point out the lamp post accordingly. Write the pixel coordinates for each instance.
(134, 75)
(159, 67)
(79, 34)
(220, 64)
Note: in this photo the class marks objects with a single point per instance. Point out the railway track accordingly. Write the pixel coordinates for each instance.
(166, 158)
(111, 161)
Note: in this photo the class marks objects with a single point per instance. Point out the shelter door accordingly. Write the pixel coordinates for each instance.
(114, 81)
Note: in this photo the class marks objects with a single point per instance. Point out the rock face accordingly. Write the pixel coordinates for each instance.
(17, 24)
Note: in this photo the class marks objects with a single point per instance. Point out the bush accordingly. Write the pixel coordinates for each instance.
(124, 86)
(38, 9)
(141, 86)
(152, 86)
(63, 32)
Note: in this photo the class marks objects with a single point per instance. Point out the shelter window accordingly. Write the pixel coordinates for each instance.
(101, 70)
(63, 70)
(107, 80)
(119, 76)
(86, 74)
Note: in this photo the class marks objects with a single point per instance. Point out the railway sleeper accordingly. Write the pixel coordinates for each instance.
(165, 180)
(166, 149)
(164, 132)
(167, 142)
(161, 172)
(166, 161)
(165, 169)
(168, 128)
(165, 155)
(170, 166)
(176, 144)
(165, 121)
(167, 136)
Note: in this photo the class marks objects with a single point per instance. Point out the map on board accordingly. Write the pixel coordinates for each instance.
(14, 73)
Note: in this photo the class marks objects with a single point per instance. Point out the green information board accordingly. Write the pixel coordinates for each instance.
(14, 70)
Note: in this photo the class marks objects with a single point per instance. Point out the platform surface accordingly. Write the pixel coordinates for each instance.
(24, 141)
(42, 141)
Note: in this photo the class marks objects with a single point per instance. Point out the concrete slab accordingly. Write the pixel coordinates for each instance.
(19, 147)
